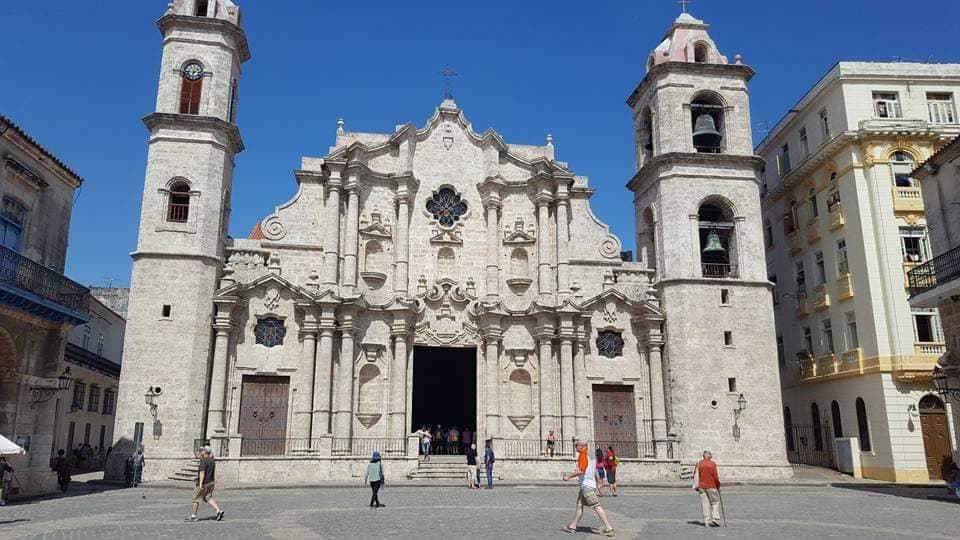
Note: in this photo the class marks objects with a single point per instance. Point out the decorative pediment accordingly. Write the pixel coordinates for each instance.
(446, 331)
(447, 236)
(445, 289)
(376, 227)
(271, 283)
(617, 298)
(519, 236)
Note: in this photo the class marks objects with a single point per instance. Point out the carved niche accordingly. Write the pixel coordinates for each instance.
(376, 236)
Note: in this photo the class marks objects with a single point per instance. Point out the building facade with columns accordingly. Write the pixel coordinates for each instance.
(436, 275)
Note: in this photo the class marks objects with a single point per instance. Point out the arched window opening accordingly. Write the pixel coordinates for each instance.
(201, 9)
(178, 206)
(788, 429)
(648, 239)
(817, 427)
(863, 426)
(701, 52)
(645, 136)
(232, 115)
(706, 117)
(717, 241)
(931, 404)
(837, 421)
(191, 87)
(901, 165)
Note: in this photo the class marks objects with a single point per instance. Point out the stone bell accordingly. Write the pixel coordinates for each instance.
(705, 132)
(713, 243)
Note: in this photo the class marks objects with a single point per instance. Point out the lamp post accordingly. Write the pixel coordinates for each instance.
(150, 398)
(737, 412)
(45, 392)
(941, 381)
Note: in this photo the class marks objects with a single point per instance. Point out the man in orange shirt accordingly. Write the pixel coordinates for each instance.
(708, 485)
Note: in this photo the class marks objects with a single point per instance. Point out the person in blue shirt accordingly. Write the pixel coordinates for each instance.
(488, 460)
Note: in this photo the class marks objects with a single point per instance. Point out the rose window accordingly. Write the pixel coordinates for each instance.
(446, 207)
(269, 332)
(610, 344)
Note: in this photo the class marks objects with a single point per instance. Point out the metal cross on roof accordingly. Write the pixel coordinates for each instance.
(448, 75)
(683, 5)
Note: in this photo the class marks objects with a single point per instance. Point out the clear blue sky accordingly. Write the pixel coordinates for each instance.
(78, 76)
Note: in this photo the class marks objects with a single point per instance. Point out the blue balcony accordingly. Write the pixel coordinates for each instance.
(28, 286)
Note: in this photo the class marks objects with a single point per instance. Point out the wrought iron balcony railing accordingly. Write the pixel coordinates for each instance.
(936, 271)
(28, 275)
(715, 270)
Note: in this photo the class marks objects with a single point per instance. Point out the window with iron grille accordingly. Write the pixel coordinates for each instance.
(93, 404)
(863, 426)
(178, 205)
(827, 328)
(821, 268)
(610, 344)
(269, 332)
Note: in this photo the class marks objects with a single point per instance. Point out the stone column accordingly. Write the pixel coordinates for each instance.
(303, 405)
(343, 391)
(492, 341)
(548, 386)
(398, 385)
(321, 378)
(351, 237)
(331, 242)
(581, 387)
(567, 412)
(563, 241)
(543, 244)
(402, 249)
(658, 405)
(492, 206)
(216, 421)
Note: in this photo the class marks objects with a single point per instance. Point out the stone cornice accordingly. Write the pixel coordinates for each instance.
(736, 70)
(190, 121)
(169, 21)
(695, 158)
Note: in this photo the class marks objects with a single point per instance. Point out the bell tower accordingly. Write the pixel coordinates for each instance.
(193, 138)
(697, 209)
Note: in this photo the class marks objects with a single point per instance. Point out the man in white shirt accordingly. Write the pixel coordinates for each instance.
(588, 494)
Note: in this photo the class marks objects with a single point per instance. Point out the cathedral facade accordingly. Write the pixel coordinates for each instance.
(436, 275)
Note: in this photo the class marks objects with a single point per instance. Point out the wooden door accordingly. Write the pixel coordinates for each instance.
(615, 419)
(263, 415)
(933, 427)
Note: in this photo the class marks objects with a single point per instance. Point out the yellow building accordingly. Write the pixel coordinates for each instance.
(844, 223)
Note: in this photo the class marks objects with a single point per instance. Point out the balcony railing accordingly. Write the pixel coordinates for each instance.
(938, 270)
(28, 275)
(836, 216)
(813, 230)
(715, 270)
(907, 199)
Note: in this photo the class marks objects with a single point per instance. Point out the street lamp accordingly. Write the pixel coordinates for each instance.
(150, 398)
(45, 392)
(941, 381)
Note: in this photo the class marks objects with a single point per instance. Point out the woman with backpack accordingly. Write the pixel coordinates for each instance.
(376, 479)
(610, 463)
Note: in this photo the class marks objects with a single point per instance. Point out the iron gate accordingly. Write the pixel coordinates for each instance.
(811, 444)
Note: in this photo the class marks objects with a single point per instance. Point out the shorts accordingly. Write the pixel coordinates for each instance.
(204, 492)
(601, 473)
(612, 477)
(589, 497)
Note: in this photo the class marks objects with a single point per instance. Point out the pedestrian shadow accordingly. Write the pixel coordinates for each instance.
(9, 521)
(922, 493)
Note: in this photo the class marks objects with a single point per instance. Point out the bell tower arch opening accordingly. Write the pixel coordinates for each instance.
(717, 239)
(706, 115)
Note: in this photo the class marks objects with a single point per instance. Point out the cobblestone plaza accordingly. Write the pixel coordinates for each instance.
(875, 512)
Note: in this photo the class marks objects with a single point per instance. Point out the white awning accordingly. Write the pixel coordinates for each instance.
(9, 447)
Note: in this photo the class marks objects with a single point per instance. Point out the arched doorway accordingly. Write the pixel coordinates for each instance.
(9, 390)
(936, 441)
